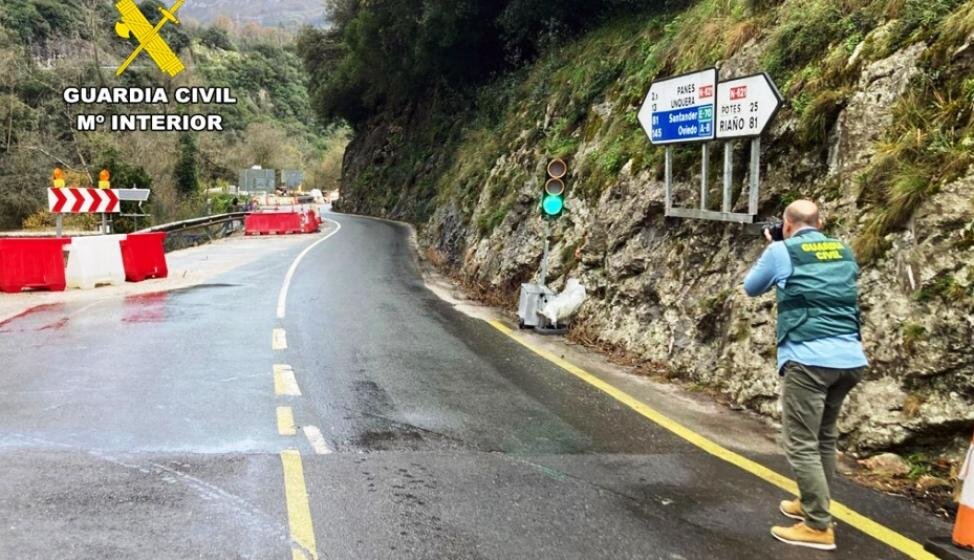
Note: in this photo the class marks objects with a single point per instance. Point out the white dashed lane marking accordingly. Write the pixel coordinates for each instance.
(316, 440)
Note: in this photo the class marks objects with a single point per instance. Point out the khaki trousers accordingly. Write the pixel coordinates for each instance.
(811, 400)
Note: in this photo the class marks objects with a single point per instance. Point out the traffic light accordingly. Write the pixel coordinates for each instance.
(104, 179)
(553, 199)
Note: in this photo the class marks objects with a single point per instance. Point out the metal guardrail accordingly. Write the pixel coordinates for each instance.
(197, 223)
(199, 231)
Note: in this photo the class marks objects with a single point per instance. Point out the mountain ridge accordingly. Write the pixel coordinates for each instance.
(288, 13)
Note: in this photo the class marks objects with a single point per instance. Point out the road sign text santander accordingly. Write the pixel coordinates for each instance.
(681, 109)
(745, 106)
(83, 201)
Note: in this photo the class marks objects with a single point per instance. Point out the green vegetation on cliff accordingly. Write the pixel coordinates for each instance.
(455, 117)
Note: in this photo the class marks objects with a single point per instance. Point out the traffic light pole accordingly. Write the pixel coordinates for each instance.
(544, 256)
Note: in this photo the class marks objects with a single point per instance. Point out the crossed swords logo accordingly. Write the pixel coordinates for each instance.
(135, 23)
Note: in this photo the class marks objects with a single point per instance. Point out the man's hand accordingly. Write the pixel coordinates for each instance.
(767, 235)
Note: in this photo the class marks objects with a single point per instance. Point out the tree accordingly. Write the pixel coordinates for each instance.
(216, 38)
(124, 175)
(187, 172)
(390, 54)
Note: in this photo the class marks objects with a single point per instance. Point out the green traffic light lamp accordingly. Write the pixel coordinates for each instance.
(553, 203)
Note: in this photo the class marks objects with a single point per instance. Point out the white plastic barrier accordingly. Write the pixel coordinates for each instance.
(565, 304)
(95, 260)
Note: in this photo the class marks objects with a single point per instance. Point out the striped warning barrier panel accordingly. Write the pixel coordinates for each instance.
(83, 201)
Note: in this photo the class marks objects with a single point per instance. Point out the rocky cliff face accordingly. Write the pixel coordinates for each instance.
(667, 290)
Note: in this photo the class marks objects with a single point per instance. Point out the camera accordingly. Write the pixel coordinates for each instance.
(775, 229)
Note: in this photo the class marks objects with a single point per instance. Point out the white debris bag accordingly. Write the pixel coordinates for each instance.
(565, 304)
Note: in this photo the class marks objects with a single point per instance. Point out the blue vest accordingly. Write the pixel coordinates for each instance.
(820, 298)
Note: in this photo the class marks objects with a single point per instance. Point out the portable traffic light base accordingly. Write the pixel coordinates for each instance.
(535, 296)
(533, 299)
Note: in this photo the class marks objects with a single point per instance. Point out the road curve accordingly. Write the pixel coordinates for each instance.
(369, 420)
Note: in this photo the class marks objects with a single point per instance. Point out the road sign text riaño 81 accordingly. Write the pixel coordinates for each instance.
(553, 197)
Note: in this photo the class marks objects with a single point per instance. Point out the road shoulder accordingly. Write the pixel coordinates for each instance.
(739, 437)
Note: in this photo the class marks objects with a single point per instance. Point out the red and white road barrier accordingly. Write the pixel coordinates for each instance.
(38, 264)
(83, 201)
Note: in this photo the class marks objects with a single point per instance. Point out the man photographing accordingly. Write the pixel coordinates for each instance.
(820, 359)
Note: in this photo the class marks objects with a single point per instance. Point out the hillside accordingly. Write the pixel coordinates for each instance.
(878, 128)
(271, 125)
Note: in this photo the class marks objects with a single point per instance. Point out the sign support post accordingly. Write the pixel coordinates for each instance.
(704, 175)
(728, 177)
(755, 182)
(60, 226)
(668, 166)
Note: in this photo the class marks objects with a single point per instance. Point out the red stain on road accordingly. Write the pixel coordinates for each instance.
(13, 324)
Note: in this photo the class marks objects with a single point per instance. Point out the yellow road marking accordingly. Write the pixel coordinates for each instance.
(298, 511)
(285, 421)
(285, 385)
(279, 339)
(841, 512)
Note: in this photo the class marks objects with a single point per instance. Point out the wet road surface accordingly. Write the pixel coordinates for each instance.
(151, 427)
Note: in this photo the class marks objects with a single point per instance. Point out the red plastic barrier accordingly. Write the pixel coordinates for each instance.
(32, 264)
(267, 223)
(144, 256)
(311, 221)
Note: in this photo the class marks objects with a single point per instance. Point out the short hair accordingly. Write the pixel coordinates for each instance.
(804, 212)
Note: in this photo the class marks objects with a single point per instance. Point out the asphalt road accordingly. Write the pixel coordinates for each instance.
(156, 426)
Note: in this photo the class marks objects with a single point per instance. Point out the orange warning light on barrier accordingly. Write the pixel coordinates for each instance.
(57, 178)
(104, 179)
